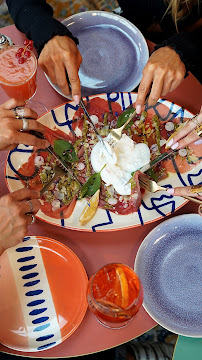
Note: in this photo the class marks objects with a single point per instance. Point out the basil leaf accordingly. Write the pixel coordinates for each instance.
(65, 150)
(124, 117)
(91, 186)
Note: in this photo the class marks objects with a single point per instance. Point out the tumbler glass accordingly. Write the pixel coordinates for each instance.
(114, 295)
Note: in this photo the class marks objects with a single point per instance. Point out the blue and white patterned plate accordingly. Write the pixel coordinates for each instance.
(114, 52)
(169, 265)
(43, 286)
(154, 206)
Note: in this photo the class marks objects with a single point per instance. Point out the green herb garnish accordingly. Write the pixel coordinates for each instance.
(124, 117)
(65, 150)
(91, 185)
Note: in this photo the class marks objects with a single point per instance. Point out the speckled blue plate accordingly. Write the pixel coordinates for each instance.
(169, 265)
(114, 52)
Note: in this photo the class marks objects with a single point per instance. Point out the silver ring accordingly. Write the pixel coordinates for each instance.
(33, 218)
(25, 124)
(31, 206)
(20, 112)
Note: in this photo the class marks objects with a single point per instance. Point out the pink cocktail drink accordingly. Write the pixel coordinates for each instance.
(17, 79)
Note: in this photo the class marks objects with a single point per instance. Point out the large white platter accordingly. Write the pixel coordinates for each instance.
(153, 207)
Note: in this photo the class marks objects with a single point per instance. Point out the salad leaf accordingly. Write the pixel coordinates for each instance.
(65, 150)
(91, 186)
(124, 117)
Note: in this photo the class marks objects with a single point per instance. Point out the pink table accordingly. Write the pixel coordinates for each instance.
(97, 249)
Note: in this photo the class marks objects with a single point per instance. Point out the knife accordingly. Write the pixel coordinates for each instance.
(58, 159)
(62, 164)
(157, 160)
(83, 106)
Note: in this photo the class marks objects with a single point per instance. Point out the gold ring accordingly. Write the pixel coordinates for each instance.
(195, 120)
(198, 130)
(196, 189)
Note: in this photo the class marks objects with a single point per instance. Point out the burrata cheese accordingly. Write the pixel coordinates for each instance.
(119, 163)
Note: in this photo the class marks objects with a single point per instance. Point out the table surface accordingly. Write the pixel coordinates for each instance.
(96, 249)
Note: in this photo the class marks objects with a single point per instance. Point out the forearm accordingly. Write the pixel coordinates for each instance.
(35, 19)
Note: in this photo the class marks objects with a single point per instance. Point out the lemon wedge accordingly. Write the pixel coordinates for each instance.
(90, 209)
(124, 287)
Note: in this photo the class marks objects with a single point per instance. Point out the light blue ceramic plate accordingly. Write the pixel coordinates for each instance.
(169, 265)
(113, 50)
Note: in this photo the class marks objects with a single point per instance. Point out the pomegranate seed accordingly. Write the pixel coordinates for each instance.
(27, 54)
(30, 42)
(20, 50)
(21, 60)
(18, 55)
(29, 47)
(26, 42)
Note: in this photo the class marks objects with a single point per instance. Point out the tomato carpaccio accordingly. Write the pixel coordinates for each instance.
(105, 118)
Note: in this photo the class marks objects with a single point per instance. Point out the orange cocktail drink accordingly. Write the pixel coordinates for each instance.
(115, 294)
(17, 79)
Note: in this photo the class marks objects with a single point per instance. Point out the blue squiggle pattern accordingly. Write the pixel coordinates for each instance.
(190, 176)
(27, 151)
(140, 217)
(12, 177)
(105, 223)
(157, 207)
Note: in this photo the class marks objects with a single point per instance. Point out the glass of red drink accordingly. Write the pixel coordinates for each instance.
(114, 295)
(18, 80)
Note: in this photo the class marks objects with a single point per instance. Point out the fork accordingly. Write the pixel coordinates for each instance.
(58, 171)
(152, 186)
(116, 134)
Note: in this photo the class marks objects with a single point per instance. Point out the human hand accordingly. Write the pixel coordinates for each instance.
(187, 135)
(12, 135)
(16, 213)
(61, 55)
(194, 191)
(163, 72)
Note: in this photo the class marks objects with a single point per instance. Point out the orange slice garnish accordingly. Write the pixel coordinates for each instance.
(124, 287)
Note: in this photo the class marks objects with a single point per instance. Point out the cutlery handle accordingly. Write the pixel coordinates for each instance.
(129, 120)
(193, 199)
